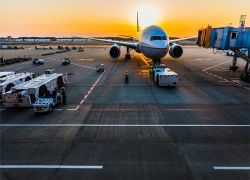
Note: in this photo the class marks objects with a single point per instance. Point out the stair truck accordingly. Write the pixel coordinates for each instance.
(163, 76)
(36, 90)
(10, 81)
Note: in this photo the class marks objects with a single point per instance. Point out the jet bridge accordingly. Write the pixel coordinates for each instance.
(228, 38)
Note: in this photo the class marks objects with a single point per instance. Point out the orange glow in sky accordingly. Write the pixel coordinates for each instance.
(112, 17)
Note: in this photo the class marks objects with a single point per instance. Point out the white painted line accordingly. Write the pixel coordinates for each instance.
(215, 76)
(224, 81)
(48, 167)
(72, 109)
(233, 82)
(216, 66)
(58, 109)
(199, 59)
(207, 59)
(91, 89)
(125, 125)
(86, 96)
(85, 59)
(83, 66)
(231, 168)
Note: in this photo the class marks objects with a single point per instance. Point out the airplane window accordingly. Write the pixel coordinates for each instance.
(158, 38)
(163, 38)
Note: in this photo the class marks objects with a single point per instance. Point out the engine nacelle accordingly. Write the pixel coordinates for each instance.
(115, 51)
(176, 51)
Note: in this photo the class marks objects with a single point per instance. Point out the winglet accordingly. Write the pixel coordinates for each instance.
(138, 27)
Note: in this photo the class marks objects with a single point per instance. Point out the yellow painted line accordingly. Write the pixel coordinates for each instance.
(144, 60)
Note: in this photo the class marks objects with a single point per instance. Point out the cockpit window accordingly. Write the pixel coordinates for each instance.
(158, 38)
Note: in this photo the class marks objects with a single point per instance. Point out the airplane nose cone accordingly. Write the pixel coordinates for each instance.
(161, 45)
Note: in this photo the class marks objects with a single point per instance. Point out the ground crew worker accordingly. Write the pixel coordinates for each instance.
(150, 72)
(126, 77)
(64, 96)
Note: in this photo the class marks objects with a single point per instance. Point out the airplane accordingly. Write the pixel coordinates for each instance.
(154, 44)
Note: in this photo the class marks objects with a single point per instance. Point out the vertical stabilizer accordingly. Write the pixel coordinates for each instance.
(138, 26)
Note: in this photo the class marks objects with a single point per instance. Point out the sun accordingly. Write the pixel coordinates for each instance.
(148, 15)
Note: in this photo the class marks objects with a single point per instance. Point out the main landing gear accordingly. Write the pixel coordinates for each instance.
(128, 56)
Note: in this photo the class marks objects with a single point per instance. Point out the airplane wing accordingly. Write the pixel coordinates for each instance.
(131, 37)
(121, 43)
(178, 40)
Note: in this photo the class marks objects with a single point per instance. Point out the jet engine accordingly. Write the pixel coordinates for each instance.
(176, 51)
(115, 51)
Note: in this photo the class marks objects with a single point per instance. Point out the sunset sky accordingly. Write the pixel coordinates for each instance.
(114, 17)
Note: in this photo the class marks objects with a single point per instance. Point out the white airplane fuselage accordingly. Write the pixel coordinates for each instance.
(154, 43)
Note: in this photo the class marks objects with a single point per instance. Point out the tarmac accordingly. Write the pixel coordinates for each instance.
(199, 130)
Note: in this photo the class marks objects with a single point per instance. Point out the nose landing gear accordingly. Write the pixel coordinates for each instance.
(128, 56)
(157, 61)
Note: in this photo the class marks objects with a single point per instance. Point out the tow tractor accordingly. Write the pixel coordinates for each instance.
(43, 105)
(164, 76)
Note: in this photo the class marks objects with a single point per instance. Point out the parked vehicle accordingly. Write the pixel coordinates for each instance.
(10, 81)
(43, 105)
(26, 94)
(38, 61)
(66, 61)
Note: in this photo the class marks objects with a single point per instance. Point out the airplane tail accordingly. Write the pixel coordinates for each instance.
(138, 26)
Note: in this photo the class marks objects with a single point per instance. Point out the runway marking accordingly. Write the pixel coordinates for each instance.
(85, 59)
(144, 60)
(80, 65)
(126, 125)
(146, 109)
(83, 66)
(58, 109)
(49, 167)
(75, 109)
(91, 89)
(233, 82)
(207, 59)
(215, 66)
(231, 168)
(172, 109)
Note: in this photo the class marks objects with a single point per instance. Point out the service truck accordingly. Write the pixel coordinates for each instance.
(164, 76)
(26, 94)
(7, 82)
